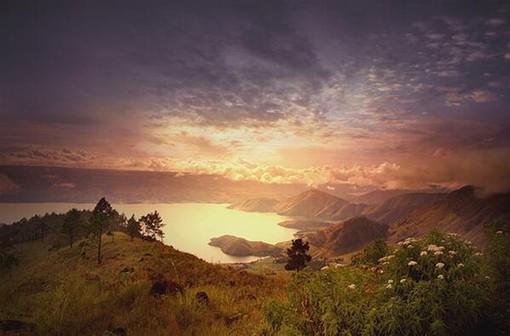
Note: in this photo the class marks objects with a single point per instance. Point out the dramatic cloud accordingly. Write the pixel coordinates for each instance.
(486, 169)
(50, 157)
(316, 93)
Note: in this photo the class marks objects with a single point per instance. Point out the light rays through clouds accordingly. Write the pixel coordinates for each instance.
(392, 94)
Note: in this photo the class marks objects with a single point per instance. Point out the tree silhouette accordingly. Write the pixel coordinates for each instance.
(72, 224)
(7, 259)
(152, 225)
(100, 221)
(133, 227)
(298, 255)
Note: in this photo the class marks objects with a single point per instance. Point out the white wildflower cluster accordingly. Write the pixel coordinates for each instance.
(460, 265)
(385, 260)
(440, 277)
(438, 250)
(390, 284)
(403, 280)
(452, 234)
(435, 248)
(423, 253)
(440, 265)
(352, 286)
(408, 241)
(499, 232)
(478, 254)
(412, 263)
(452, 253)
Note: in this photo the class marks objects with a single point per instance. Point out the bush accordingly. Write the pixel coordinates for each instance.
(438, 285)
(372, 253)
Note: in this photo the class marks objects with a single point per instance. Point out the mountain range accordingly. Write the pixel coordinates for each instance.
(338, 226)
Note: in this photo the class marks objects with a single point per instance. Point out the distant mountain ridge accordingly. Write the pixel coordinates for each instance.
(311, 204)
(401, 205)
(348, 236)
(401, 216)
(377, 196)
(256, 205)
(461, 211)
(318, 204)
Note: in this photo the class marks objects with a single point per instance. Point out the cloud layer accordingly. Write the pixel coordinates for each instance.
(363, 94)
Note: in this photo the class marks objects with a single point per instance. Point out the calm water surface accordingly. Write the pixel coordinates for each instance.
(189, 226)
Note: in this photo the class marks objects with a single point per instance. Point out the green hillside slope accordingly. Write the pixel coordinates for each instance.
(67, 293)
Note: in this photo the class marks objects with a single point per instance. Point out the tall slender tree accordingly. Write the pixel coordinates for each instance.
(101, 218)
(72, 225)
(152, 225)
(133, 227)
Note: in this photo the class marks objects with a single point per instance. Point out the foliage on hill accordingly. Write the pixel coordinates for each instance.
(63, 229)
(66, 293)
(46, 227)
(439, 285)
(237, 246)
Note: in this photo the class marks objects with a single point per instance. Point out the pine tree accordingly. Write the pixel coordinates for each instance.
(152, 225)
(298, 255)
(72, 224)
(100, 221)
(133, 227)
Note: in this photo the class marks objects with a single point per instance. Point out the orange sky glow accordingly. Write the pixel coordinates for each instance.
(317, 94)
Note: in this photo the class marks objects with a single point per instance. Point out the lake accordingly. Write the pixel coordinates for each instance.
(189, 226)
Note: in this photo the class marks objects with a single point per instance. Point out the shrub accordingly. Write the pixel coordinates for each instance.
(437, 285)
(372, 253)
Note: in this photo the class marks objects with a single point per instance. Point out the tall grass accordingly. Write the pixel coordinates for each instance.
(66, 293)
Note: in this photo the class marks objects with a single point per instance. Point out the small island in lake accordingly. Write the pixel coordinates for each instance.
(241, 247)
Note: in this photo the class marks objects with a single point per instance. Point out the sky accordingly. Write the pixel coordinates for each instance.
(381, 94)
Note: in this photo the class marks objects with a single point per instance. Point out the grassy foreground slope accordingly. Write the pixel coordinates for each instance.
(66, 293)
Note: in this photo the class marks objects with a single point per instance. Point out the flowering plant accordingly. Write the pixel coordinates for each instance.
(409, 291)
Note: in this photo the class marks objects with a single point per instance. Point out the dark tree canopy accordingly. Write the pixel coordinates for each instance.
(101, 219)
(7, 259)
(72, 225)
(298, 255)
(152, 225)
(133, 227)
